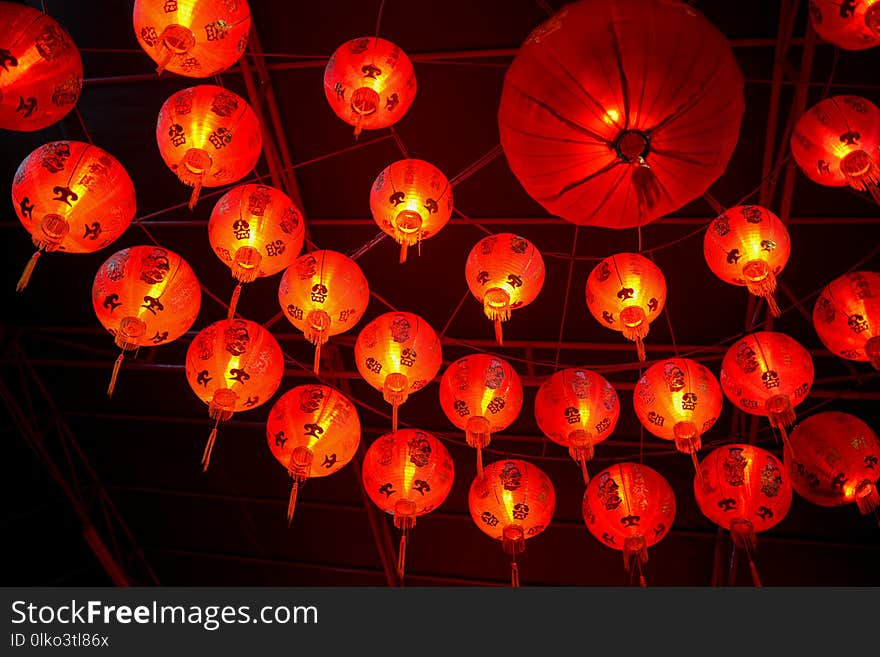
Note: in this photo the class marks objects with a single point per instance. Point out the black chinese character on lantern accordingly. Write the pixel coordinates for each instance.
(294, 312)
(319, 293)
(238, 375)
(152, 304)
(241, 229)
(275, 248)
(177, 135)
(220, 138)
(408, 357)
(373, 365)
(520, 511)
(26, 107)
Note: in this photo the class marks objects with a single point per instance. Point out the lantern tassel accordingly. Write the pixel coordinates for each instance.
(584, 472)
(233, 302)
(479, 461)
(756, 579)
(514, 573)
(394, 407)
(499, 337)
(316, 365)
(640, 349)
(28, 270)
(403, 247)
(291, 504)
(697, 467)
(115, 374)
(209, 447)
(401, 556)
(194, 197)
(643, 583)
(765, 288)
(165, 59)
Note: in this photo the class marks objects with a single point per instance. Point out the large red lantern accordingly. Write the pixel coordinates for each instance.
(512, 501)
(629, 507)
(837, 143)
(626, 292)
(370, 83)
(768, 374)
(232, 365)
(145, 296)
(71, 197)
(411, 200)
(617, 112)
(577, 408)
(748, 245)
(209, 136)
(745, 490)
(847, 316)
(41, 76)
(408, 474)
(323, 293)
(195, 38)
(256, 231)
(398, 353)
(504, 272)
(850, 25)
(481, 394)
(313, 431)
(832, 458)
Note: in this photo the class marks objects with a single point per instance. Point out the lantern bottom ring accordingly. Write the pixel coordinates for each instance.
(632, 145)
(513, 539)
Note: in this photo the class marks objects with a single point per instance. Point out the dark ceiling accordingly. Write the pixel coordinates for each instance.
(227, 527)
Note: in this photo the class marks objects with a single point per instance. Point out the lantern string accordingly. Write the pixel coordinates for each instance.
(399, 142)
(479, 163)
(561, 333)
(446, 326)
(473, 223)
(82, 124)
(547, 8)
(379, 17)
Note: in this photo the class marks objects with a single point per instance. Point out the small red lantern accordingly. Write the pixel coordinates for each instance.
(745, 490)
(848, 25)
(748, 245)
(71, 197)
(408, 474)
(512, 501)
(832, 458)
(626, 292)
(411, 200)
(209, 136)
(145, 296)
(767, 373)
(42, 70)
(398, 353)
(232, 365)
(323, 293)
(195, 38)
(481, 395)
(256, 231)
(313, 431)
(847, 317)
(370, 83)
(504, 272)
(577, 408)
(629, 507)
(837, 142)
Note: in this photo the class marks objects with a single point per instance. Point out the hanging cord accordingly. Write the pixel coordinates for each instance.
(514, 572)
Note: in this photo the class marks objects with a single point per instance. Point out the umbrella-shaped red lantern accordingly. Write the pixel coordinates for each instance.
(616, 112)
(847, 316)
(848, 24)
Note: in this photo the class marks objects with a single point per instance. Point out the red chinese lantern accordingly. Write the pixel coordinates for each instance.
(629, 507)
(767, 373)
(398, 353)
(256, 231)
(232, 365)
(617, 112)
(313, 431)
(195, 38)
(41, 76)
(832, 459)
(411, 200)
(745, 490)
(504, 272)
(145, 296)
(370, 83)
(748, 245)
(407, 473)
(626, 292)
(577, 408)
(323, 293)
(71, 197)
(847, 316)
(512, 501)
(678, 399)
(481, 394)
(209, 136)
(837, 142)
(848, 25)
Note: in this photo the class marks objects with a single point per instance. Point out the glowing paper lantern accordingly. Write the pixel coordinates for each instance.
(481, 395)
(256, 231)
(232, 366)
(40, 69)
(411, 200)
(629, 507)
(370, 83)
(748, 245)
(504, 272)
(195, 38)
(71, 197)
(313, 431)
(626, 292)
(408, 474)
(577, 408)
(847, 316)
(209, 136)
(850, 25)
(617, 112)
(145, 296)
